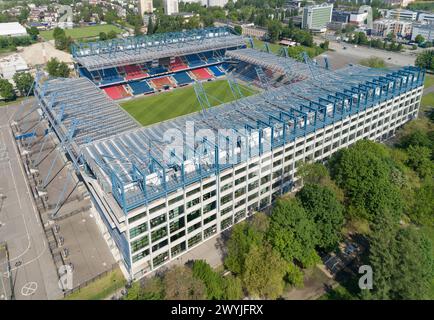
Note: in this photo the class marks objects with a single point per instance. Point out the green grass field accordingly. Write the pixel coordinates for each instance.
(100, 288)
(83, 32)
(181, 101)
(429, 80)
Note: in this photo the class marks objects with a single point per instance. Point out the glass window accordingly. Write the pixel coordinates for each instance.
(135, 231)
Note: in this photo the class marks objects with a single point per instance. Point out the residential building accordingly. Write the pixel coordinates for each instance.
(425, 30)
(384, 27)
(170, 7)
(401, 14)
(316, 17)
(145, 6)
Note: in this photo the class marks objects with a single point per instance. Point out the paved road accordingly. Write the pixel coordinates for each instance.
(32, 269)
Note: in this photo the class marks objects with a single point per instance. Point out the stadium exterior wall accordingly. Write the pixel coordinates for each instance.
(172, 225)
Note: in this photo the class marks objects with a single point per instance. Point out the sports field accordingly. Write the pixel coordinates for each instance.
(181, 101)
(83, 32)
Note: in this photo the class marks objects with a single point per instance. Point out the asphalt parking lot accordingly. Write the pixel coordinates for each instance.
(32, 271)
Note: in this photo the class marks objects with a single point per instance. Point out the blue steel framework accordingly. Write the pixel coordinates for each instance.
(129, 161)
(140, 49)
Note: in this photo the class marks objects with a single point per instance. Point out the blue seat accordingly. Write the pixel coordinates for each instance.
(110, 75)
(140, 87)
(194, 60)
(182, 78)
(83, 72)
(216, 71)
(157, 70)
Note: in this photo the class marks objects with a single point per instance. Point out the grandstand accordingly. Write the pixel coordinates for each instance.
(123, 61)
(158, 194)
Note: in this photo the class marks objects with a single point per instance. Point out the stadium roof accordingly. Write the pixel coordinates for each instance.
(119, 52)
(139, 164)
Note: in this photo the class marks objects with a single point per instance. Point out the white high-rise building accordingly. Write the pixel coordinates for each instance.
(145, 6)
(171, 7)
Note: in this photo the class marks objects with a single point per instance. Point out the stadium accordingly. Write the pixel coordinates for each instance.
(163, 189)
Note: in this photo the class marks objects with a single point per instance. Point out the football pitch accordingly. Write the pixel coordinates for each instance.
(83, 32)
(181, 101)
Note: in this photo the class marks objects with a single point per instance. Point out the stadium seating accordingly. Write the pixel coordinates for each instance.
(160, 83)
(85, 73)
(182, 78)
(194, 60)
(216, 71)
(116, 92)
(201, 74)
(140, 87)
(110, 75)
(178, 64)
(134, 72)
(157, 70)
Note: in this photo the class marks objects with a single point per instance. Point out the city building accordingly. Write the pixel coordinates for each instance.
(425, 30)
(12, 29)
(358, 18)
(401, 14)
(384, 27)
(341, 16)
(170, 6)
(426, 17)
(145, 6)
(316, 17)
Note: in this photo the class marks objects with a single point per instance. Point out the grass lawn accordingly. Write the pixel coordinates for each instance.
(101, 288)
(83, 32)
(178, 102)
(427, 101)
(429, 80)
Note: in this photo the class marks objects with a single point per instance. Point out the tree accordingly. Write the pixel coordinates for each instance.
(33, 32)
(181, 285)
(150, 26)
(112, 34)
(419, 159)
(381, 258)
(322, 206)
(242, 238)
(293, 233)
(425, 59)
(264, 272)
(6, 90)
(274, 29)
(213, 282)
(422, 211)
(148, 289)
(294, 276)
(58, 32)
(364, 172)
(23, 82)
(414, 265)
(238, 29)
(56, 68)
(419, 39)
(232, 288)
(102, 36)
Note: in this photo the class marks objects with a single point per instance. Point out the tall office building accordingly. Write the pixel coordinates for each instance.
(145, 6)
(171, 7)
(316, 17)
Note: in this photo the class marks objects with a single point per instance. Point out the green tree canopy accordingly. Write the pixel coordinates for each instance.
(293, 233)
(364, 172)
(23, 82)
(6, 90)
(263, 272)
(180, 284)
(56, 68)
(321, 204)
